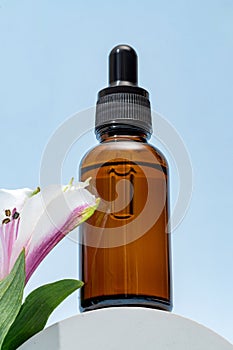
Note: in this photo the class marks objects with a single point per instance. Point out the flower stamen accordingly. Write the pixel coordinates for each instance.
(15, 215)
(7, 212)
(6, 221)
(37, 190)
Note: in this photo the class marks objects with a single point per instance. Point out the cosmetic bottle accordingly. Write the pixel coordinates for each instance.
(125, 245)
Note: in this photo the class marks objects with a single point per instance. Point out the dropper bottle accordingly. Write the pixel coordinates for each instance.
(125, 250)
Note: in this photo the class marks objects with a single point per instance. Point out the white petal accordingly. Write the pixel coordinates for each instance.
(58, 212)
(63, 214)
(10, 199)
(46, 213)
(32, 210)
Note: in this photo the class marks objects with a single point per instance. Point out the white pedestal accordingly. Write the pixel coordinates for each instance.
(127, 328)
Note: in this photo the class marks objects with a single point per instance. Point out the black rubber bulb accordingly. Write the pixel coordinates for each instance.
(123, 66)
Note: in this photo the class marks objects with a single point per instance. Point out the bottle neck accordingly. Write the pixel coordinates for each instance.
(121, 132)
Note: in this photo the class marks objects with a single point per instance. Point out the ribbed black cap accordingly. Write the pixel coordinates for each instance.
(123, 102)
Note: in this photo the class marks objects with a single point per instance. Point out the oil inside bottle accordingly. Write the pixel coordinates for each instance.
(125, 248)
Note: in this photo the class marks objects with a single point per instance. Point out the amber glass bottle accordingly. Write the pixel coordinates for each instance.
(125, 250)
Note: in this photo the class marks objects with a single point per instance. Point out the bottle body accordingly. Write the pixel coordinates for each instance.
(125, 250)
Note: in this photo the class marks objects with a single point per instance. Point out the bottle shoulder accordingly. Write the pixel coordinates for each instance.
(131, 150)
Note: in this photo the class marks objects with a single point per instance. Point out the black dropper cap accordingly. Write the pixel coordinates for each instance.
(123, 102)
(123, 66)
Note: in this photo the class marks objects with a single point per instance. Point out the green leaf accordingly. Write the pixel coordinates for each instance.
(11, 295)
(36, 310)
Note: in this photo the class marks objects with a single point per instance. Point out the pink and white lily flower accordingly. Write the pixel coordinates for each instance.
(37, 220)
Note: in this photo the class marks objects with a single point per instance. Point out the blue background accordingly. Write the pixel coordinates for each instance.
(54, 60)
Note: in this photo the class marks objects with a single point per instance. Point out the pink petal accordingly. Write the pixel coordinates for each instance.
(3, 252)
(39, 252)
(51, 223)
